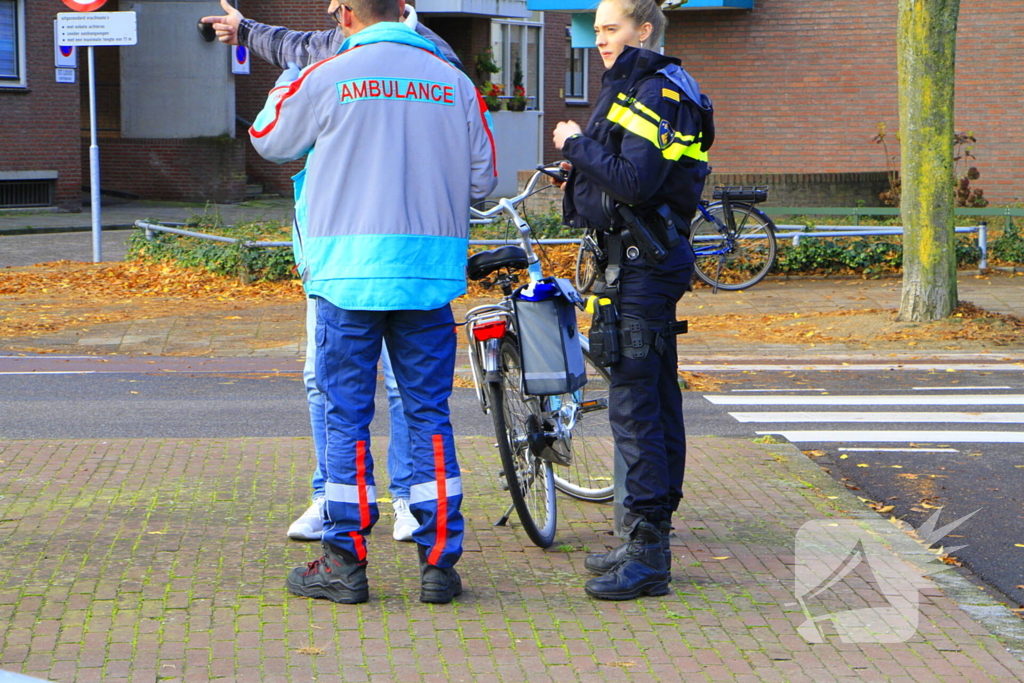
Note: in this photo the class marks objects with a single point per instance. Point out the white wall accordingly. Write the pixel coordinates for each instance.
(173, 84)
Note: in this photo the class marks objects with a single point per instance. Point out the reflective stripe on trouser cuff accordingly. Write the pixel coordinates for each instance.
(420, 493)
(348, 493)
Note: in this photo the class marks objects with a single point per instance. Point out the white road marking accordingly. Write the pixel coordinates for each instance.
(959, 388)
(900, 450)
(857, 367)
(883, 400)
(1000, 418)
(738, 391)
(50, 372)
(878, 436)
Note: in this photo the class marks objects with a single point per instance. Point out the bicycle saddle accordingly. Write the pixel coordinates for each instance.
(483, 263)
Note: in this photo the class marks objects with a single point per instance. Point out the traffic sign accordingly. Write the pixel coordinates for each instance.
(85, 5)
(240, 60)
(97, 28)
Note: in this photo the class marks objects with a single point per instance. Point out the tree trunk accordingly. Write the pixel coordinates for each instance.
(926, 48)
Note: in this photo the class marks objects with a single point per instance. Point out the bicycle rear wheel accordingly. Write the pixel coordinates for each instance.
(586, 266)
(589, 475)
(736, 263)
(517, 424)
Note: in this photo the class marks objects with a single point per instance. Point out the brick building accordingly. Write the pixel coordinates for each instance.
(799, 88)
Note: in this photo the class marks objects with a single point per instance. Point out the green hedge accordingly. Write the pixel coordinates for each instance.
(249, 264)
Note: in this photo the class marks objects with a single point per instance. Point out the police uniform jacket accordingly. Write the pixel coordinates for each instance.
(641, 147)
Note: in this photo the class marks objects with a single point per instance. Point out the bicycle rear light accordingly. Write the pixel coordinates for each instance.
(489, 329)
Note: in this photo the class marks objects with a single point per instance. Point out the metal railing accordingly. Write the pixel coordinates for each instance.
(175, 229)
(800, 232)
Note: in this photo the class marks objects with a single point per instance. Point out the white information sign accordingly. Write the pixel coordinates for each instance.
(66, 75)
(96, 28)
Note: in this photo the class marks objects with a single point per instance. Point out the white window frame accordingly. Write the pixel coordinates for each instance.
(585, 60)
(503, 58)
(20, 80)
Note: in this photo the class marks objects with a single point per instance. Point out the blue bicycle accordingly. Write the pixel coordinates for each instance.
(733, 240)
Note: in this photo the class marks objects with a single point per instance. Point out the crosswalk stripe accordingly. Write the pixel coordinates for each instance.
(882, 436)
(918, 400)
(958, 388)
(803, 416)
(851, 367)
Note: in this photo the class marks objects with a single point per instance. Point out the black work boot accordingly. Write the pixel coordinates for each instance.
(602, 563)
(437, 585)
(641, 571)
(335, 576)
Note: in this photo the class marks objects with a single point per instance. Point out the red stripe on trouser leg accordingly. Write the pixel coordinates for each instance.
(360, 544)
(364, 503)
(441, 476)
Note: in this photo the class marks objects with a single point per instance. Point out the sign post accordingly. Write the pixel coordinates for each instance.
(87, 28)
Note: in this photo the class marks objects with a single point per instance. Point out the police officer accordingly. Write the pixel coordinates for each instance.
(644, 148)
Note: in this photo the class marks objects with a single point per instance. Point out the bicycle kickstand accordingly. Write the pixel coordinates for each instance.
(504, 518)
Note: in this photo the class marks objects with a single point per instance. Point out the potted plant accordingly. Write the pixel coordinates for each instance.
(485, 65)
(492, 93)
(518, 100)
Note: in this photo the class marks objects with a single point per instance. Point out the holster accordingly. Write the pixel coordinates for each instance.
(604, 334)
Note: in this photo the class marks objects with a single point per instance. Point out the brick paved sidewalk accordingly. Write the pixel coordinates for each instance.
(147, 560)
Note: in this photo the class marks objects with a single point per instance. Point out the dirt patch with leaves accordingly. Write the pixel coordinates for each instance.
(67, 296)
(968, 328)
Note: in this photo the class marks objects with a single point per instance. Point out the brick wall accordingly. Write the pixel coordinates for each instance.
(801, 87)
(251, 91)
(185, 169)
(40, 125)
(555, 107)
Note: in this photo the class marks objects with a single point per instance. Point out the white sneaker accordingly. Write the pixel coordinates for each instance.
(405, 523)
(310, 525)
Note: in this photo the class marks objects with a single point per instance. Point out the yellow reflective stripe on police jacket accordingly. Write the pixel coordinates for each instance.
(645, 123)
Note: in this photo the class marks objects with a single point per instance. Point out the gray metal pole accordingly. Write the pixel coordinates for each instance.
(94, 165)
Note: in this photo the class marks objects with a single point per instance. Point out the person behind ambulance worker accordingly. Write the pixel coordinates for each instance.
(399, 147)
(642, 147)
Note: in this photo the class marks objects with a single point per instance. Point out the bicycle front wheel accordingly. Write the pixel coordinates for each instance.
(518, 424)
(733, 261)
(589, 476)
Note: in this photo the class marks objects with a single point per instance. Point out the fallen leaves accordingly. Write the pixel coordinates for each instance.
(313, 651)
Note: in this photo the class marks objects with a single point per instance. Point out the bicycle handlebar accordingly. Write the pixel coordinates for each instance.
(554, 170)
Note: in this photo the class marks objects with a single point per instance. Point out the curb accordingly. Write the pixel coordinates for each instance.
(995, 616)
(4, 232)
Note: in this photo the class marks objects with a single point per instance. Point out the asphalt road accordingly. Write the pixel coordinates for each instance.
(961, 448)
(27, 250)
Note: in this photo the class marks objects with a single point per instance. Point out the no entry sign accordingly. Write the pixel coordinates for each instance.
(85, 5)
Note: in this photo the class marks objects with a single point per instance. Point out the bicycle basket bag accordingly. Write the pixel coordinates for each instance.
(549, 339)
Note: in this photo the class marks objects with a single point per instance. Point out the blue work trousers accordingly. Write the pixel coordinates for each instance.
(422, 349)
(399, 470)
(645, 402)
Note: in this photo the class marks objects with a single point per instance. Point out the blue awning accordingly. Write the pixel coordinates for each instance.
(591, 5)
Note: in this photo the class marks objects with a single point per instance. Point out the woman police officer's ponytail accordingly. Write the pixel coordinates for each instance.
(644, 149)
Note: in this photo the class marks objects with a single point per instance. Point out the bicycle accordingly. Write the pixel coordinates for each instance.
(733, 240)
(535, 434)
(589, 261)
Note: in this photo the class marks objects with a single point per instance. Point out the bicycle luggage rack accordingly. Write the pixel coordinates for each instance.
(751, 194)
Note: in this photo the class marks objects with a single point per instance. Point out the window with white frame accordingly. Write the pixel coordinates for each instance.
(12, 44)
(522, 41)
(576, 59)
